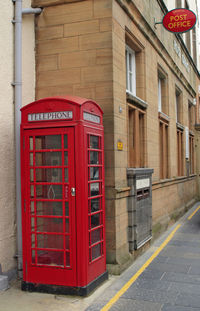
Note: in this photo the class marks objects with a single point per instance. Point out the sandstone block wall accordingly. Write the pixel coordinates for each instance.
(80, 50)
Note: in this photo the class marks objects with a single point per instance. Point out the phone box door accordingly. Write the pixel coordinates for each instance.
(49, 235)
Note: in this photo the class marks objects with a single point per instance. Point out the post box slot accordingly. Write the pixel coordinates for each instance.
(146, 193)
(142, 194)
(139, 195)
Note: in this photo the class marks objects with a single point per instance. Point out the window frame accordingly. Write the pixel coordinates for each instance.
(191, 153)
(130, 83)
(163, 91)
(164, 145)
(180, 151)
(137, 134)
(178, 105)
(191, 115)
(159, 94)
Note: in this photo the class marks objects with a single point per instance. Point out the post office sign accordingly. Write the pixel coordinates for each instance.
(179, 20)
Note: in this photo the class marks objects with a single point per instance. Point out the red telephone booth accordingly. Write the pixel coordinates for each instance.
(62, 169)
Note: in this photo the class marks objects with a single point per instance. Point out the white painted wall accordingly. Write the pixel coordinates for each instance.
(7, 150)
(28, 56)
(7, 165)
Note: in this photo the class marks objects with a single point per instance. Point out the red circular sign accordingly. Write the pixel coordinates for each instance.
(179, 20)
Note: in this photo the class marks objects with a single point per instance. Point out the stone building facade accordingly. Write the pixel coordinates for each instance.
(84, 48)
(146, 81)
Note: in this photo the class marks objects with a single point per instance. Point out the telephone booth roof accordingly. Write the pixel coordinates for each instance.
(77, 108)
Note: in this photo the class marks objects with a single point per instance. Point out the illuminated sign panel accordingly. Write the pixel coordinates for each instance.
(179, 20)
(47, 116)
(91, 117)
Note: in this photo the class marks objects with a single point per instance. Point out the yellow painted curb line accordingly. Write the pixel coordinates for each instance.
(194, 212)
(139, 272)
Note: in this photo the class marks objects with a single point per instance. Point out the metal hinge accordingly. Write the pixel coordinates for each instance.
(73, 192)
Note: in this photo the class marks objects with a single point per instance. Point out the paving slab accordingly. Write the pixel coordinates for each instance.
(151, 284)
(188, 300)
(185, 243)
(135, 305)
(191, 289)
(152, 274)
(193, 261)
(166, 267)
(181, 278)
(151, 295)
(160, 259)
(194, 270)
(186, 237)
(167, 307)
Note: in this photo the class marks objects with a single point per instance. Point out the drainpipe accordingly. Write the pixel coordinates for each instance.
(18, 104)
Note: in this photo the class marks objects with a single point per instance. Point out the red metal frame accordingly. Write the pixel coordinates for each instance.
(86, 243)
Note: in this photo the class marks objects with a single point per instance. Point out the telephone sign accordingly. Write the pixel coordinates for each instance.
(44, 116)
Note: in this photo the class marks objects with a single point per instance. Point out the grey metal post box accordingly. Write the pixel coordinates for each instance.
(139, 206)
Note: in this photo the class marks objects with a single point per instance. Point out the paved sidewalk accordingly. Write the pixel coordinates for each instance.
(14, 299)
(171, 282)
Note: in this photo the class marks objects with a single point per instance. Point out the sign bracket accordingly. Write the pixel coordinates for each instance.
(156, 23)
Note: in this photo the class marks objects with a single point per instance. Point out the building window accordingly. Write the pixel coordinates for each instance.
(191, 121)
(179, 105)
(136, 95)
(163, 122)
(191, 115)
(179, 132)
(135, 66)
(136, 136)
(159, 94)
(194, 45)
(191, 154)
(163, 131)
(162, 93)
(180, 162)
(130, 71)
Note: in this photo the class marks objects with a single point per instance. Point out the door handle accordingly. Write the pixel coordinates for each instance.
(73, 192)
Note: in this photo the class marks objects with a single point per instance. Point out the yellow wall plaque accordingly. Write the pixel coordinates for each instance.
(119, 145)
